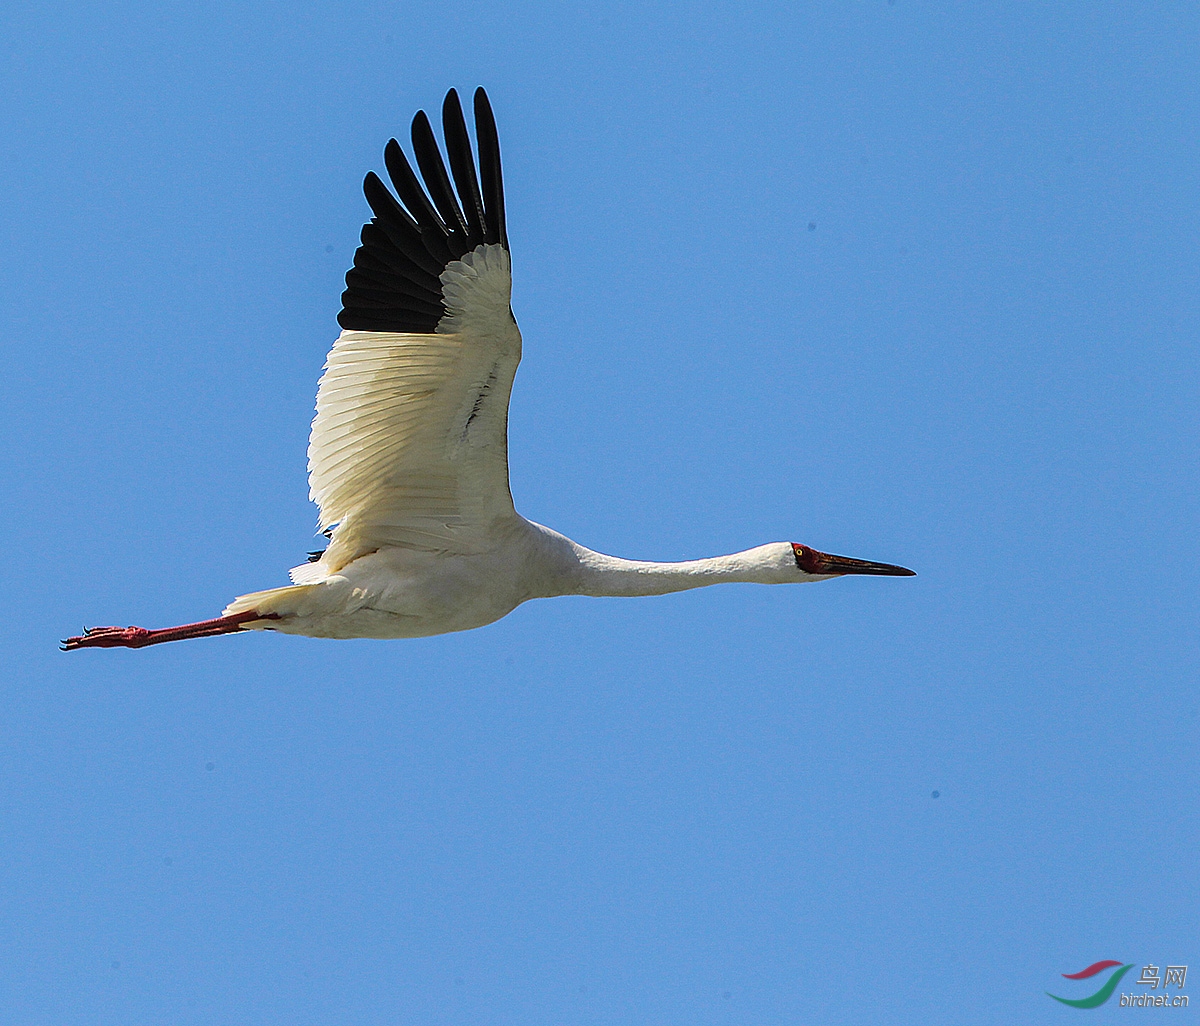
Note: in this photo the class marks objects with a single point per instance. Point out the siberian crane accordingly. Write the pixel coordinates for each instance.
(408, 454)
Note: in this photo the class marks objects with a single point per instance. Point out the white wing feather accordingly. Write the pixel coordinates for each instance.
(409, 446)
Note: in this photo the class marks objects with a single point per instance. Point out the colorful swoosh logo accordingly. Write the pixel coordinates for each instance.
(1104, 993)
(1091, 970)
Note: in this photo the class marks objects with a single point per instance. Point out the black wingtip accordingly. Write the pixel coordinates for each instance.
(433, 217)
(483, 104)
(433, 171)
(462, 166)
(490, 176)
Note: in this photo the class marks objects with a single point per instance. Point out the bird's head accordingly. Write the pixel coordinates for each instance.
(818, 566)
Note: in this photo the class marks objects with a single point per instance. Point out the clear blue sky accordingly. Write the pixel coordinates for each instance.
(709, 808)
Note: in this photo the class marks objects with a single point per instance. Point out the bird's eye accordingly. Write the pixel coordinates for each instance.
(807, 559)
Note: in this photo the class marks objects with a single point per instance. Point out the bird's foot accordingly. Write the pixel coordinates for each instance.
(108, 637)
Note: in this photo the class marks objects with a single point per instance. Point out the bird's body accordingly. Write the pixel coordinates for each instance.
(408, 457)
(399, 592)
(405, 593)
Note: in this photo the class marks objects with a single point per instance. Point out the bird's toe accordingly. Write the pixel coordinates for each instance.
(107, 637)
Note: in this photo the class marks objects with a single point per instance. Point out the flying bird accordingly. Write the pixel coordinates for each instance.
(408, 454)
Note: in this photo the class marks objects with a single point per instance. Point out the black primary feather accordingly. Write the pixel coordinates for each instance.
(462, 166)
(488, 143)
(394, 284)
(433, 170)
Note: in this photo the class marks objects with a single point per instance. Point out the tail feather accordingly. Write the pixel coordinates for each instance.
(283, 602)
(308, 573)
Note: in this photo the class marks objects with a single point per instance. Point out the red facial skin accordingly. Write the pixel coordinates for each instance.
(808, 560)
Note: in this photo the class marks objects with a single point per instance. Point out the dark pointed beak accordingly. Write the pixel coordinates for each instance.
(813, 562)
(846, 565)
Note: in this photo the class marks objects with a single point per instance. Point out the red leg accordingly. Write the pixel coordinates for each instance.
(139, 637)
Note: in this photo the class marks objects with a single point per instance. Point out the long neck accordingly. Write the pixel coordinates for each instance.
(608, 575)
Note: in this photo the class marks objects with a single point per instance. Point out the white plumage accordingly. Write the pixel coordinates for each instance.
(408, 456)
(409, 446)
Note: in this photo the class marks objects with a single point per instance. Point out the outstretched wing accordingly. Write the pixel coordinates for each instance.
(409, 446)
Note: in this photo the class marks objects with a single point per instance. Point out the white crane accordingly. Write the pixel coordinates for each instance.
(408, 456)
